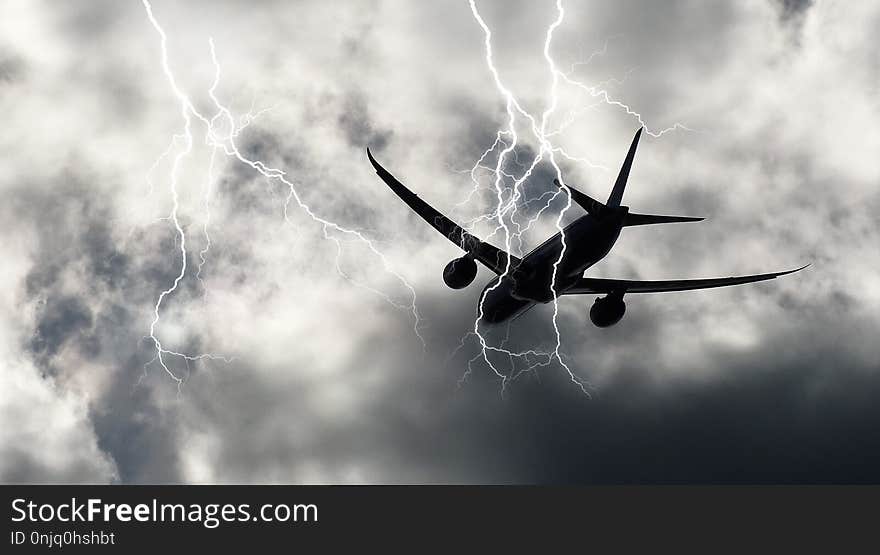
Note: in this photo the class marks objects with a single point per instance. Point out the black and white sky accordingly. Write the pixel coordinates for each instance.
(766, 120)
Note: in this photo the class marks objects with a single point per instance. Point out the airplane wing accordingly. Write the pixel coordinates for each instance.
(602, 285)
(492, 257)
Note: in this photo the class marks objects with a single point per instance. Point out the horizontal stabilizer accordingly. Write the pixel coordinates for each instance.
(647, 219)
(588, 203)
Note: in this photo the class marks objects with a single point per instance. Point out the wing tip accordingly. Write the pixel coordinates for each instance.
(383, 173)
(785, 273)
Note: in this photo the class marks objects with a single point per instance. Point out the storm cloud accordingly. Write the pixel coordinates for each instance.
(324, 377)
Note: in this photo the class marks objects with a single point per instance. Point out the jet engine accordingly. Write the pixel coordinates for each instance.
(607, 311)
(460, 272)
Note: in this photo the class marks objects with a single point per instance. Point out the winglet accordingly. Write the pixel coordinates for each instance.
(399, 188)
(807, 265)
(379, 169)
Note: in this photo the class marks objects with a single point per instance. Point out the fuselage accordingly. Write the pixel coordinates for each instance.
(587, 241)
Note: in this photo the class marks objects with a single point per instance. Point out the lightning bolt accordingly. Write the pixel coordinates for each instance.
(506, 186)
(508, 196)
(223, 118)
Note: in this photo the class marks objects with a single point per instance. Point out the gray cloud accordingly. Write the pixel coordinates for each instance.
(790, 9)
(11, 67)
(355, 123)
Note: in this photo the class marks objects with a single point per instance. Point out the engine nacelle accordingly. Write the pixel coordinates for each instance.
(607, 311)
(460, 272)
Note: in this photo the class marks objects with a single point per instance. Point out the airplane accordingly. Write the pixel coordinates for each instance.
(521, 284)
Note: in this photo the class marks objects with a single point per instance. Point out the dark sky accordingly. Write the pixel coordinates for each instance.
(292, 348)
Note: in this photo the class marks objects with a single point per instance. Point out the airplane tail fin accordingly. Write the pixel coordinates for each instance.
(647, 219)
(617, 192)
(596, 208)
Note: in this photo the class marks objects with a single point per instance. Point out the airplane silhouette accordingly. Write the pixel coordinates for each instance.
(523, 283)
